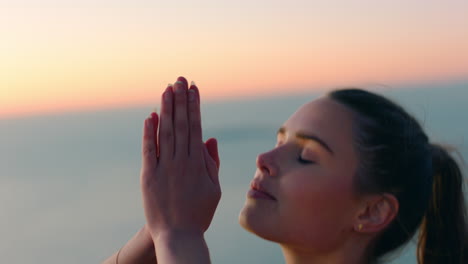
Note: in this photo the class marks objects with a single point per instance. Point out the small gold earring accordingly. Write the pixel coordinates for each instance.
(360, 227)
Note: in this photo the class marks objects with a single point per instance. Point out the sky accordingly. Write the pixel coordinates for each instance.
(58, 56)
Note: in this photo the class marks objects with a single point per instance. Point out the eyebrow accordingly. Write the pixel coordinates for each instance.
(282, 130)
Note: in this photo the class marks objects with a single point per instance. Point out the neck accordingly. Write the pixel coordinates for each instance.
(352, 252)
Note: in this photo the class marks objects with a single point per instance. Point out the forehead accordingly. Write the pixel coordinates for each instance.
(325, 118)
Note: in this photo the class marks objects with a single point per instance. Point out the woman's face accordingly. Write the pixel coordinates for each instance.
(308, 178)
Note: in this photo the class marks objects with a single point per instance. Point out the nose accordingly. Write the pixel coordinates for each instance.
(266, 164)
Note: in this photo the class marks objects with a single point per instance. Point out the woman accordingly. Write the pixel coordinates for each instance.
(351, 178)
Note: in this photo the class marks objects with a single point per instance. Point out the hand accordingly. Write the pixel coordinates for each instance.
(179, 178)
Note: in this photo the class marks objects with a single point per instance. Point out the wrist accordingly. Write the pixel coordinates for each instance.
(139, 249)
(145, 235)
(181, 246)
(177, 234)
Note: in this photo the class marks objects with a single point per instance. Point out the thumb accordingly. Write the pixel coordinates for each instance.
(212, 147)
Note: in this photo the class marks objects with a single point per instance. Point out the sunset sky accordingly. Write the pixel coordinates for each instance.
(81, 55)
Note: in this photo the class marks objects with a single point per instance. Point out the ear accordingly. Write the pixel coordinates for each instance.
(377, 213)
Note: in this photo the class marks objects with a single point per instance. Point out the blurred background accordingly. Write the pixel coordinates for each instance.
(78, 78)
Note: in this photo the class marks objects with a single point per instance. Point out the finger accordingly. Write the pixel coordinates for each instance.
(181, 127)
(183, 80)
(148, 147)
(212, 147)
(155, 119)
(166, 129)
(195, 128)
(194, 87)
(211, 166)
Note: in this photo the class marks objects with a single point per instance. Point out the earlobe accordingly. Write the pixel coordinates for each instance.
(379, 212)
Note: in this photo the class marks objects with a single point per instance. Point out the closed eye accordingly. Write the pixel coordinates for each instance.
(303, 161)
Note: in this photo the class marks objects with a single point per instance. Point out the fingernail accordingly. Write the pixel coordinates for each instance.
(192, 83)
(179, 86)
(169, 85)
(191, 95)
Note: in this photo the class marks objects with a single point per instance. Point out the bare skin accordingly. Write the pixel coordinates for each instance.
(179, 179)
(139, 249)
(174, 160)
(302, 194)
(313, 212)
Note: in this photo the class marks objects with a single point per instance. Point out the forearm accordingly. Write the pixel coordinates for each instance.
(139, 249)
(174, 248)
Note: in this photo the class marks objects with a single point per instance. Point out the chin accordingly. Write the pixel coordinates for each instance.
(257, 222)
(245, 219)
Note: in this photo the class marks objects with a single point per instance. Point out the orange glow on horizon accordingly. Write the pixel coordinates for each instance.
(72, 59)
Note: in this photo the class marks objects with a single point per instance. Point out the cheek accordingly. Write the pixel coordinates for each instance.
(315, 206)
(315, 191)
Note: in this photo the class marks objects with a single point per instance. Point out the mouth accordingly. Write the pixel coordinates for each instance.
(258, 192)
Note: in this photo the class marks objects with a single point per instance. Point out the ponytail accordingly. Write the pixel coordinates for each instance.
(443, 234)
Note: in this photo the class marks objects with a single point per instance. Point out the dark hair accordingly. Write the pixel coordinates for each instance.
(396, 157)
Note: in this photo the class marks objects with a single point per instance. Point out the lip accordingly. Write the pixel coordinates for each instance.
(258, 191)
